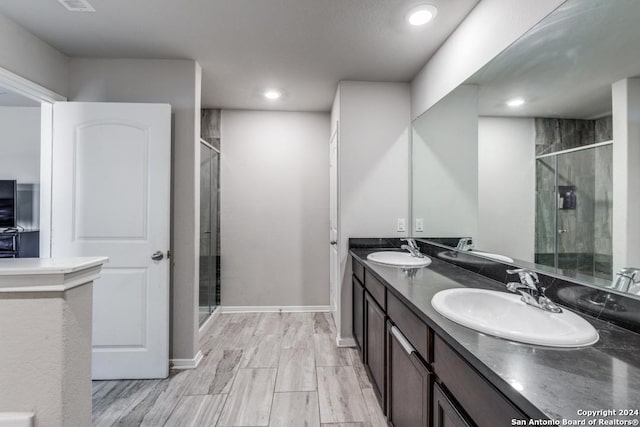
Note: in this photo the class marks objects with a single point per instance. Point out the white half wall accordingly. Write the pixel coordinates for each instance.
(176, 82)
(506, 187)
(490, 28)
(373, 159)
(27, 56)
(274, 204)
(20, 144)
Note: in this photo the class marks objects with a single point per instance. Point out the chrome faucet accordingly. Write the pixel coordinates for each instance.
(531, 290)
(412, 247)
(625, 278)
(465, 244)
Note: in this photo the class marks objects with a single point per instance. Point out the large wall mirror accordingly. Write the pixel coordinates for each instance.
(536, 157)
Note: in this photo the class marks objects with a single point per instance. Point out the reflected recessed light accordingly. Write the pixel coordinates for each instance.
(422, 14)
(515, 102)
(272, 94)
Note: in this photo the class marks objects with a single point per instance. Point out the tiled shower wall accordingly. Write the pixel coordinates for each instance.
(584, 234)
(553, 135)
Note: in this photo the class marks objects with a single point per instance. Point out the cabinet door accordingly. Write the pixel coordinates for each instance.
(445, 414)
(408, 383)
(358, 315)
(375, 345)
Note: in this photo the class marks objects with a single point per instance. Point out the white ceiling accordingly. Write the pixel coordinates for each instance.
(564, 67)
(303, 47)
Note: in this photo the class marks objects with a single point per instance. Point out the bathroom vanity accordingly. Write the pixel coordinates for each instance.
(427, 370)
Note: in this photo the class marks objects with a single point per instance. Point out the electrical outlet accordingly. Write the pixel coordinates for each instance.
(401, 225)
(419, 224)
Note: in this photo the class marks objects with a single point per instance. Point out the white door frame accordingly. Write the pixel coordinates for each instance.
(46, 98)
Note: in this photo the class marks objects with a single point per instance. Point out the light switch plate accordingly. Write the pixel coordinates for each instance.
(401, 225)
(419, 224)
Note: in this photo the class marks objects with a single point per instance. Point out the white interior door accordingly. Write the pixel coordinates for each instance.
(333, 219)
(110, 196)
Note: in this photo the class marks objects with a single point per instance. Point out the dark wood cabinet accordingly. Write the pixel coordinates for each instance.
(408, 383)
(358, 314)
(445, 413)
(484, 404)
(419, 379)
(375, 345)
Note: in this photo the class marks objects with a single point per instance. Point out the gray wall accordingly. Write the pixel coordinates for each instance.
(176, 82)
(27, 56)
(506, 187)
(20, 144)
(373, 161)
(274, 208)
(445, 166)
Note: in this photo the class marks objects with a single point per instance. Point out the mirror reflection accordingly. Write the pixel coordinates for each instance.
(535, 159)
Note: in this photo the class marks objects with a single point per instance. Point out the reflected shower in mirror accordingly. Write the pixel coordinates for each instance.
(532, 158)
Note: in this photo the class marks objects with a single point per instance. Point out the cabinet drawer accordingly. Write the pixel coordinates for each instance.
(411, 326)
(358, 269)
(484, 404)
(376, 289)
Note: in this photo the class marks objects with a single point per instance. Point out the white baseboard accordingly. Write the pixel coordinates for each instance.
(345, 342)
(186, 363)
(276, 309)
(207, 324)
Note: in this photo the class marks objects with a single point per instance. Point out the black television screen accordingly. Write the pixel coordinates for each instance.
(7, 204)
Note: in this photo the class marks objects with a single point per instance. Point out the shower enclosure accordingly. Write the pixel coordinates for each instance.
(209, 291)
(574, 207)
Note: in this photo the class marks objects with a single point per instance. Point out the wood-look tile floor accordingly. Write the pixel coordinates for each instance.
(259, 369)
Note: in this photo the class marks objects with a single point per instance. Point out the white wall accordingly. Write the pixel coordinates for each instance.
(506, 187)
(626, 173)
(20, 144)
(27, 56)
(490, 27)
(176, 82)
(445, 166)
(373, 171)
(274, 199)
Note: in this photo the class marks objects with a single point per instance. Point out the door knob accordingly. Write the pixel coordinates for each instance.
(562, 231)
(157, 256)
(333, 242)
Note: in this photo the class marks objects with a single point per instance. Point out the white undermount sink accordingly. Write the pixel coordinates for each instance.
(398, 259)
(495, 257)
(506, 316)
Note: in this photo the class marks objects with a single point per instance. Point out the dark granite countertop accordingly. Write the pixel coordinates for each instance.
(543, 381)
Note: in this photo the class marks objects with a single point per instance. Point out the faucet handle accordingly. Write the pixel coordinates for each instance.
(527, 276)
(465, 244)
(411, 242)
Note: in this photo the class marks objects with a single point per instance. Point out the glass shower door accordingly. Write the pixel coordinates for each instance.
(574, 208)
(209, 287)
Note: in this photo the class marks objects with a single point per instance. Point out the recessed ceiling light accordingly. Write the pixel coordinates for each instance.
(272, 94)
(422, 14)
(77, 5)
(515, 102)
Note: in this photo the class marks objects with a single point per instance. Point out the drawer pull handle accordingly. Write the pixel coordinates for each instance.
(402, 340)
